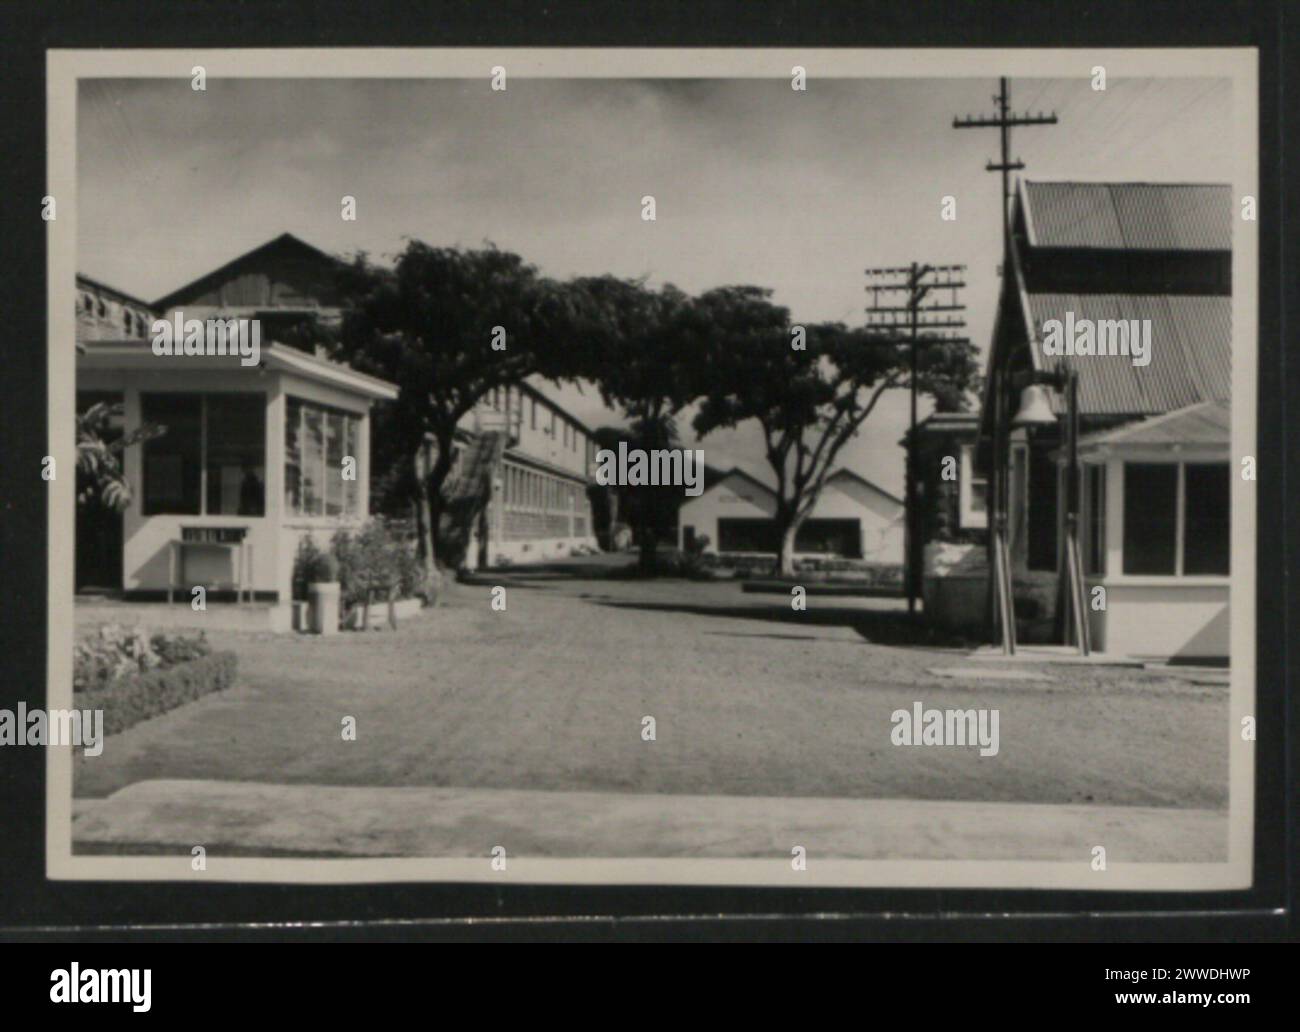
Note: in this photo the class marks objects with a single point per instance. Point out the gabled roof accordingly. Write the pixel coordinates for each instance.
(285, 243)
(1129, 216)
(1191, 354)
(841, 473)
(1206, 424)
(104, 288)
(845, 472)
(1191, 331)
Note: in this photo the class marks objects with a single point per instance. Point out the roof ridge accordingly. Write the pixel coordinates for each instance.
(1054, 181)
(282, 238)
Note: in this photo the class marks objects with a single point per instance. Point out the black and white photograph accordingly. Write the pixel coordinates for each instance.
(819, 468)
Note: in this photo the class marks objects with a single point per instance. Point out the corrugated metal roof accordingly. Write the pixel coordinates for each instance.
(1130, 216)
(1191, 351)
(1209, 423)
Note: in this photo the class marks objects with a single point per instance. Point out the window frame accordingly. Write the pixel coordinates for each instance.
(1180, 521)
(294, 512)
(1092, 518)
(202, 397)
(968, 517)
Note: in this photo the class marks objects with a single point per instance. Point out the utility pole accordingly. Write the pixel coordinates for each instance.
(905, 323)
(1003, 121)
(1000, 591)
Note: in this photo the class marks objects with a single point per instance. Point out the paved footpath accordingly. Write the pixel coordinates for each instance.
(248, 818)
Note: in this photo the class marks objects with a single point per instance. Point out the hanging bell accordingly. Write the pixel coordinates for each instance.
(1035, 408)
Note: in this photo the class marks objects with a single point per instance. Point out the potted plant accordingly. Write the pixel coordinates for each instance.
(323, 593)
(304, 562)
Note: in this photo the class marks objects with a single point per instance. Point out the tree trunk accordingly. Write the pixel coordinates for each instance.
(789, 524)
(426, 527)
(423, 516)
(785, 555)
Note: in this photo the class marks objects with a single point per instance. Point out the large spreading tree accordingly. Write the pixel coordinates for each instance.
(448, 325)
(644, 344)
(810, 392)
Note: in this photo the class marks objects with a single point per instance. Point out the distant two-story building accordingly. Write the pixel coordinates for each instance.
(536, 461)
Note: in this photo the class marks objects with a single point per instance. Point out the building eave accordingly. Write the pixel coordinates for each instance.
(137, 354)
(278, 356)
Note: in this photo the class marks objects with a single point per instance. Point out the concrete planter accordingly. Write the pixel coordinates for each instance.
(954, 586)
(324, 607)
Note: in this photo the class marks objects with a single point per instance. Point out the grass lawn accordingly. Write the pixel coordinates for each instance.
(749, 698)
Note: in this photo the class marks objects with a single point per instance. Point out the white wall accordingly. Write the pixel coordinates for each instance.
(735, 497)
(881, 518)
(1163, 620)
(1183, 616)
(274, 536)
(567, 451)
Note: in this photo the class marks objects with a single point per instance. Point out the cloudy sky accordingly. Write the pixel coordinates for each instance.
(754, 182)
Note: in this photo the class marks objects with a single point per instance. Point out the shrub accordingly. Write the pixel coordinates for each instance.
(323, 570)
(141, 695)
(410, 573)
(375, 559)
(305, 561)
(180, 648)
(114, 652)
(111, 653)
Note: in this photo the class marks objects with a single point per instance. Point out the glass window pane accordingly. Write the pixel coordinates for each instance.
(1150, 517)
(293, 457)
(313, 461)
(352, 488)
(1095, 519)
(172, 462)
(333, 463)
(236, 457)
(1205, 532)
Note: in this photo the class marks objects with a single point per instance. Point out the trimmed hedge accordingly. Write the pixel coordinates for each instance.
(137, 697)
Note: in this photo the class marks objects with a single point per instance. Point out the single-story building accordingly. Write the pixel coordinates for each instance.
(1156, 532)
(853, 519)
(253, 457)
(1120, 259)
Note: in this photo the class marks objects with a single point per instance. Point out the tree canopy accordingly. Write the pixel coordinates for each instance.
(809, 388)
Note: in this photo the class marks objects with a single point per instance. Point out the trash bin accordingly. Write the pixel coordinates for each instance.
(324, 607)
